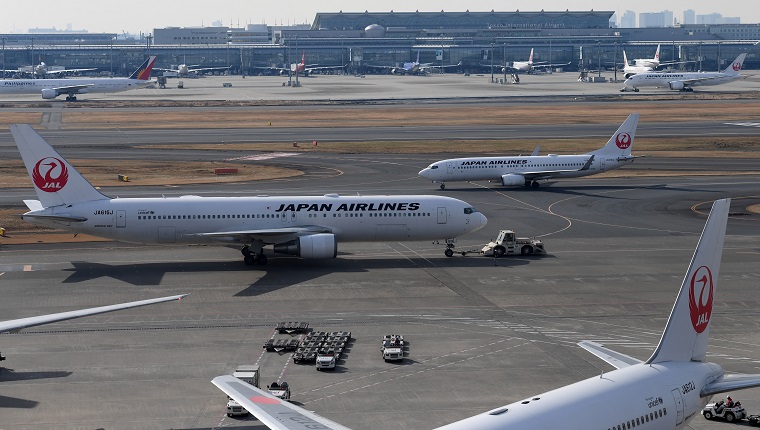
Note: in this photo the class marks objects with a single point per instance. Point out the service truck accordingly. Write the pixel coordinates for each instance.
(247, 373)
(507, 243)
(393, 347)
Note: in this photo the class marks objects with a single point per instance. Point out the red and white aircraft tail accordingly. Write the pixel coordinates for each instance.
(621, 142)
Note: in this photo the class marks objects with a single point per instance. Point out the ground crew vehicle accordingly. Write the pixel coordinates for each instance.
(281, 390)
(721, 410)
(393, 347)
(248, 373)
(507, 243)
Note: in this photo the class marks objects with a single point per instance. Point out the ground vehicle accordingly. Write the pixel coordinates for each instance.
(250, 374)
(326, 359)
(322, 348)
(281, 390)
(393, 347)
(507, 243)
(720, 410)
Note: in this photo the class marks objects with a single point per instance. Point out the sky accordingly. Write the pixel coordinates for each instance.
(137, 16)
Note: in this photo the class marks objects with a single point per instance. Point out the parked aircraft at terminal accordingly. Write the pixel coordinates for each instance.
(184, 70)
(529, 66)
(662, 393)
(302, 68)
(629, 70)
(304, 226)
(52, 88)
(654, 62)
(685, 81)
(528, 170)
(43, 70)
(22, 323)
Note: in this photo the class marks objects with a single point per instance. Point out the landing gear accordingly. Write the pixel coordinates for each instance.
(251, 258)
(449, 252)
(535, 184)
(71, 98)
(443, 186)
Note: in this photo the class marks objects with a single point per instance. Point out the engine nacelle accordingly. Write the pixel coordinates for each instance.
(47, 93)
(512, 180)
(322, 245)
(676, 85)
(628, 75)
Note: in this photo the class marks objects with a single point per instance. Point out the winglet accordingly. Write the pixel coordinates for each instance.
(688, 328)
(56, 181)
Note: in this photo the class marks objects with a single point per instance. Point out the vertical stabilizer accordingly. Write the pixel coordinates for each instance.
(657, 53)
(621, 142)
(688, 329)
(530, 59)
(625, 59)
(734, 68)
(143, 72)
(55, 180)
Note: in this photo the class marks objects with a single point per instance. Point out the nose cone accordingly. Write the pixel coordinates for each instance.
(426, 173)
(628, 82)
(478, 221)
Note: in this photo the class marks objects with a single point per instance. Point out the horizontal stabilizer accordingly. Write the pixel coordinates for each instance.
(275, 413)
(613, 358)
(34, 205)
(729, 383)
(62, 218)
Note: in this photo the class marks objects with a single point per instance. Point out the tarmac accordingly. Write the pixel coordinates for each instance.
(483, 332)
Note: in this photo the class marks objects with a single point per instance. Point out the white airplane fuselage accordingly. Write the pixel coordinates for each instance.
(349, 218)
(667, 79)
(653, 397)
(493, 168)
(97, 85)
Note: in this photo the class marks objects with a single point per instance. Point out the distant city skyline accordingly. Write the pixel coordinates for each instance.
(143, 16)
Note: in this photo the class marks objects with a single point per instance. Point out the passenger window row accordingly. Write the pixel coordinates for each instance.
(259, 216)
(640, 420)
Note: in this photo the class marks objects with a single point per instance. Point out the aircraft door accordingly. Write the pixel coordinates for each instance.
(288, 216)
(442, 215)
(449, 169)
(679, 405)
(601, 164)
(121, 219)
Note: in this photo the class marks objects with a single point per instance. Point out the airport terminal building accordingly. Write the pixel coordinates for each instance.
(471, 41)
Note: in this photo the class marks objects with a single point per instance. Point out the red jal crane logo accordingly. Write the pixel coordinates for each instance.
(736, 66)
(701, 298)
(623, 140)
(50, 174)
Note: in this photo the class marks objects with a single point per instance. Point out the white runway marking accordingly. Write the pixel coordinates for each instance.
(260, 157)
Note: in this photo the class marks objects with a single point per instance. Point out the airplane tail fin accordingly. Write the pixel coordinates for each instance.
(734, 68)
(625, 59)
(657, 53)
(55, 180)
(303, 58)
(530, 59)
(621, 143)
(418, 56)
(688, 328)
(143, 72)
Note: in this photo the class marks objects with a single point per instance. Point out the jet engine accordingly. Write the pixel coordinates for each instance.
(676, 85)
(512, 180)
(47, 93)
(322, 245)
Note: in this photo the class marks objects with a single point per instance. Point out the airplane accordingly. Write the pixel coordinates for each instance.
(527, 171)
(184, 70)
(654, 62)
(629, 70)
(685, 81)
(52, 88)
(414, 67)
(529, 66)
(662, 393)
(22, 323)
(42, 70)
(302, 68)
(309, 227)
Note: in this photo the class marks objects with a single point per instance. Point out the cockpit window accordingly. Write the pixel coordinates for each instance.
(433, 166)
(468, 211)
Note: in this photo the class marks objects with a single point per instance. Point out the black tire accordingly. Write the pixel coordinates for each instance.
(443, 186)
(535, 184)
(730, 417)
(708, 415)
(526, 250)
(249, 260)
(635, 90)
(229, 415)
(448, 252)
(499, 252)
(261, 259)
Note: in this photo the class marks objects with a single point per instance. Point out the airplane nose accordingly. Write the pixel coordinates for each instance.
(481, 221)
(424, 172)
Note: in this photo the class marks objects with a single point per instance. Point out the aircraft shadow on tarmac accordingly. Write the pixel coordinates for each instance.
(280, 272)
(15, 403)
(581, 190)
(9, 375)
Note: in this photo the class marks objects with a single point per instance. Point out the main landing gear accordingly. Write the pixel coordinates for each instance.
(71, 98)
(532, 184)
(251, 258)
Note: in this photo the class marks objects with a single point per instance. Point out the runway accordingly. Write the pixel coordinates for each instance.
(482, 332)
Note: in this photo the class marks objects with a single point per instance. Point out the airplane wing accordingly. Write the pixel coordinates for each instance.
(265, 234)
(319, 68)
(729, 383)
(204, 69)
(537, 65)
(63, 72)
(545, 174)
(15, 325)
(274, 413)
(613, 358)
(71, 89)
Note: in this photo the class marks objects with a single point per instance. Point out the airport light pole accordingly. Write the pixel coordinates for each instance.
(614, 61)
(700, 56)
(3, 58)
(492, 62)
(599, 58)
(504, 60)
